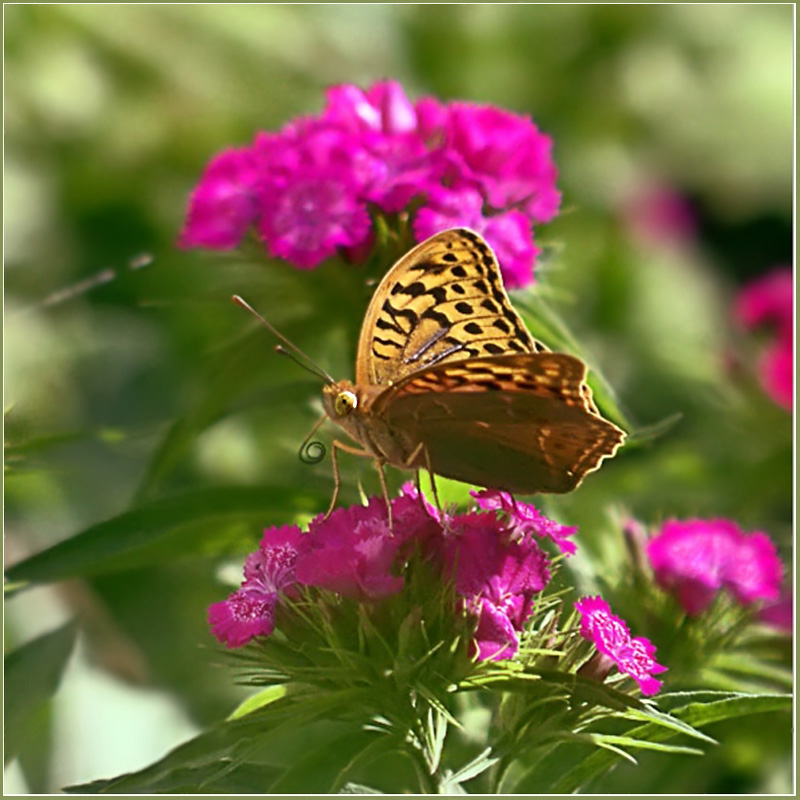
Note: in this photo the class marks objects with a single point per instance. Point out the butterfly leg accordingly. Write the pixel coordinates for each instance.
(442, 516)
(385, 491)
(337, 481)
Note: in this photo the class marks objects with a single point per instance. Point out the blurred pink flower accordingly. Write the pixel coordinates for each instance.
(779, 614)
(610, 635)
(659, 214)
(769, 300)
(695, 558)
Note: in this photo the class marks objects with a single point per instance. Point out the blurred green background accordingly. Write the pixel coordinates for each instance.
(151, 383)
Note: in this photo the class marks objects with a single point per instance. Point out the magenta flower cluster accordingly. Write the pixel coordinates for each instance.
(313, 189)
(610, 635)
(489, 555)
(769, 301)
(694, 559)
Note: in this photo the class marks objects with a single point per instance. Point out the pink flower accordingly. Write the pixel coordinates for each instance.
(384, 107)
(309, 189)
(310, 200)
(243, 616)
(776, 372)
(660, 214)
(696, 558)
(497, 578)
(224, 204)
(769, 301)
(610, 635)
(779, 614)
(269, 571)
(352, 553)
(506, 156)
(524, 519)
(509, 233)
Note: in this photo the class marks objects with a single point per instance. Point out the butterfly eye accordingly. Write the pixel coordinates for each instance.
(345, 402)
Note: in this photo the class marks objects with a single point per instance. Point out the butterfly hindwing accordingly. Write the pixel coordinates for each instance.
(443, 301)
(515, 422)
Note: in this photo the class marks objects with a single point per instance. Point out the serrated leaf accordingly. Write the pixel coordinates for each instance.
(32, 674)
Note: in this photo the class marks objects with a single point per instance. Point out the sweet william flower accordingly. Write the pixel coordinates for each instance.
(224, 204)
(312, 190)
(779, 614)
(268, 572)
(508, 232)
(696, 558)
(352, 553)
(384, 108)
(525, 519)
(505, 155)
(498, 578)
(769, 300)
(632, 655)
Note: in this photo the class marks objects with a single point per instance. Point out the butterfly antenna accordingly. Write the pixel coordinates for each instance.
(313, 452)
(294, 352)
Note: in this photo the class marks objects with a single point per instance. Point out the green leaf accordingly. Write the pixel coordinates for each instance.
(693, 714)
(473, 768)
(259, 700)
(649, 714)
(232, 757)
(323, 768)
(175, 526)
(32, 675)
(604, 740)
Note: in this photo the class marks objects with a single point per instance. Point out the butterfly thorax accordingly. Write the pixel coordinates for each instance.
(350, 406)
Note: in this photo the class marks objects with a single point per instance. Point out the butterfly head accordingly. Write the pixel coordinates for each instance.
(340, 399)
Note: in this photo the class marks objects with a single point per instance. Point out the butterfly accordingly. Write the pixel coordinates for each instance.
(448, 379)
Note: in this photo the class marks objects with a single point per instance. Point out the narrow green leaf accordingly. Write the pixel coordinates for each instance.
(604, 739)
(322, 768)
(382, 745)
(650, 714)
(737, 706)
(32, 674)
(172, 527)
(693, 714)
(258, 700)
(473, 768)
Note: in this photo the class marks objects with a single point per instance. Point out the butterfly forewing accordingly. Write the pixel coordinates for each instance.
(515, 422)
(443, 301)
